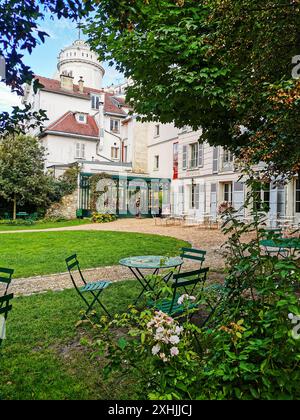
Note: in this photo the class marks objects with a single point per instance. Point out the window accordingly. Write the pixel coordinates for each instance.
(95, 102)
(193, 193)
(80, 151)
(115, 152)
(81, 118)
(298, 196)
(156, 130)
(215, 160)
(261, 198)
(156, 162)
(227, 157)
(175, 160)
(115, 126)
(228, 192)
(194, 155)
(184, 157)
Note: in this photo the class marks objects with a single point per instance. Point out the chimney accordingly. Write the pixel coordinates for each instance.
(66, 82)
(80, 84)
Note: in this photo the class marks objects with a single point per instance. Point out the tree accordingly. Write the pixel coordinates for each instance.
(22, 177)
(225, 66)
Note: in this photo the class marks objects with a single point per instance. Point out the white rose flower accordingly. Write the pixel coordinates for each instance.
(155, 349)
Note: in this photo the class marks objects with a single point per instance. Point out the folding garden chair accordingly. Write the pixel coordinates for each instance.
(5, 307)
(193, 254)
(94, 288)
(187, 281)
(5, 278)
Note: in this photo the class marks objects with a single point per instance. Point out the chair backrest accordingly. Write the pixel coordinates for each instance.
(191, 278)
(193, 254)
(6, 277)
(73, 265)
(5, 307)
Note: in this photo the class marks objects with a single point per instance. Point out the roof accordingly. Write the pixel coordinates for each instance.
(112, 104)
(67, 123)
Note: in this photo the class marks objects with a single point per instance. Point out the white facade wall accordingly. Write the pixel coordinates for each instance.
(62, 150)
(57, 105)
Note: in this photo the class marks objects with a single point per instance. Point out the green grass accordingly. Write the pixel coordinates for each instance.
(42, 357)
(38, 253)
(45, 225)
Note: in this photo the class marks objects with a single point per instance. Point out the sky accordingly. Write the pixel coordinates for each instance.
(43, 59)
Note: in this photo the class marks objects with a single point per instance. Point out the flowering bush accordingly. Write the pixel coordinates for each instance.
(166, 334)
(155, 349)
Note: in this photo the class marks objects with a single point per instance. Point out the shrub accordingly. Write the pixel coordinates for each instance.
(103, 218)
(17, 222)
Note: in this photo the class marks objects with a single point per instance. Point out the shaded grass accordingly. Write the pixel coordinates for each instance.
(42, 357)
(46, 225)
(32, 254)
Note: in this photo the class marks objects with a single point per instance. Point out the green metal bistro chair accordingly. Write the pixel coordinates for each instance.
(193, 254)
(187, 281)
(5, 307)
(94, 288)
(6, 277)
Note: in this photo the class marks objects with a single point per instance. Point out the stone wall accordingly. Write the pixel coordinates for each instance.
(65, 208)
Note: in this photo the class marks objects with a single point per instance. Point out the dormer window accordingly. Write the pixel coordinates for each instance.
(81, 118)
(115, 126)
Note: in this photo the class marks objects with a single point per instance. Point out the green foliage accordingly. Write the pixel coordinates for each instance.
(245, 349)
(22, 177)
(17, 222)
(95, 193)
(66, 184)
(163, 363)
(103, 218)
(230, 61)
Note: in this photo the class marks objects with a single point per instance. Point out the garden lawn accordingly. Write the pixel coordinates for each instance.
(45, 225)
(38, 253)
(42, 357)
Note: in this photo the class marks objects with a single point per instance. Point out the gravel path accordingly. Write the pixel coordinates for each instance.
(209, 240)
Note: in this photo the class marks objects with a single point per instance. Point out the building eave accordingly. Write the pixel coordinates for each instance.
(69, 135)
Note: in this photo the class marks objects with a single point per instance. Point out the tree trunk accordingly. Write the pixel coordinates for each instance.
(15, 207)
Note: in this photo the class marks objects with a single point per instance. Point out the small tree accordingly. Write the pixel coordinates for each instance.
(22, 177)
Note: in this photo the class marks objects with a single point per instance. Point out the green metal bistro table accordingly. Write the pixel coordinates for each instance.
(155, 263)
(282, 245)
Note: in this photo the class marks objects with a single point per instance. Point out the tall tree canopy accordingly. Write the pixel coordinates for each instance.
(225, 66)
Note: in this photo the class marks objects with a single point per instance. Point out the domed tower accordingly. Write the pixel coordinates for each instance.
(78, 61)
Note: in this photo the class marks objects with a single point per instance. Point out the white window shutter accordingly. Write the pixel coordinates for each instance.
(238, 197)
(202, 204)
(273, 202)
(201, 154)
(184, 157)
(82, 151)
(77, 151)
(197, 196)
